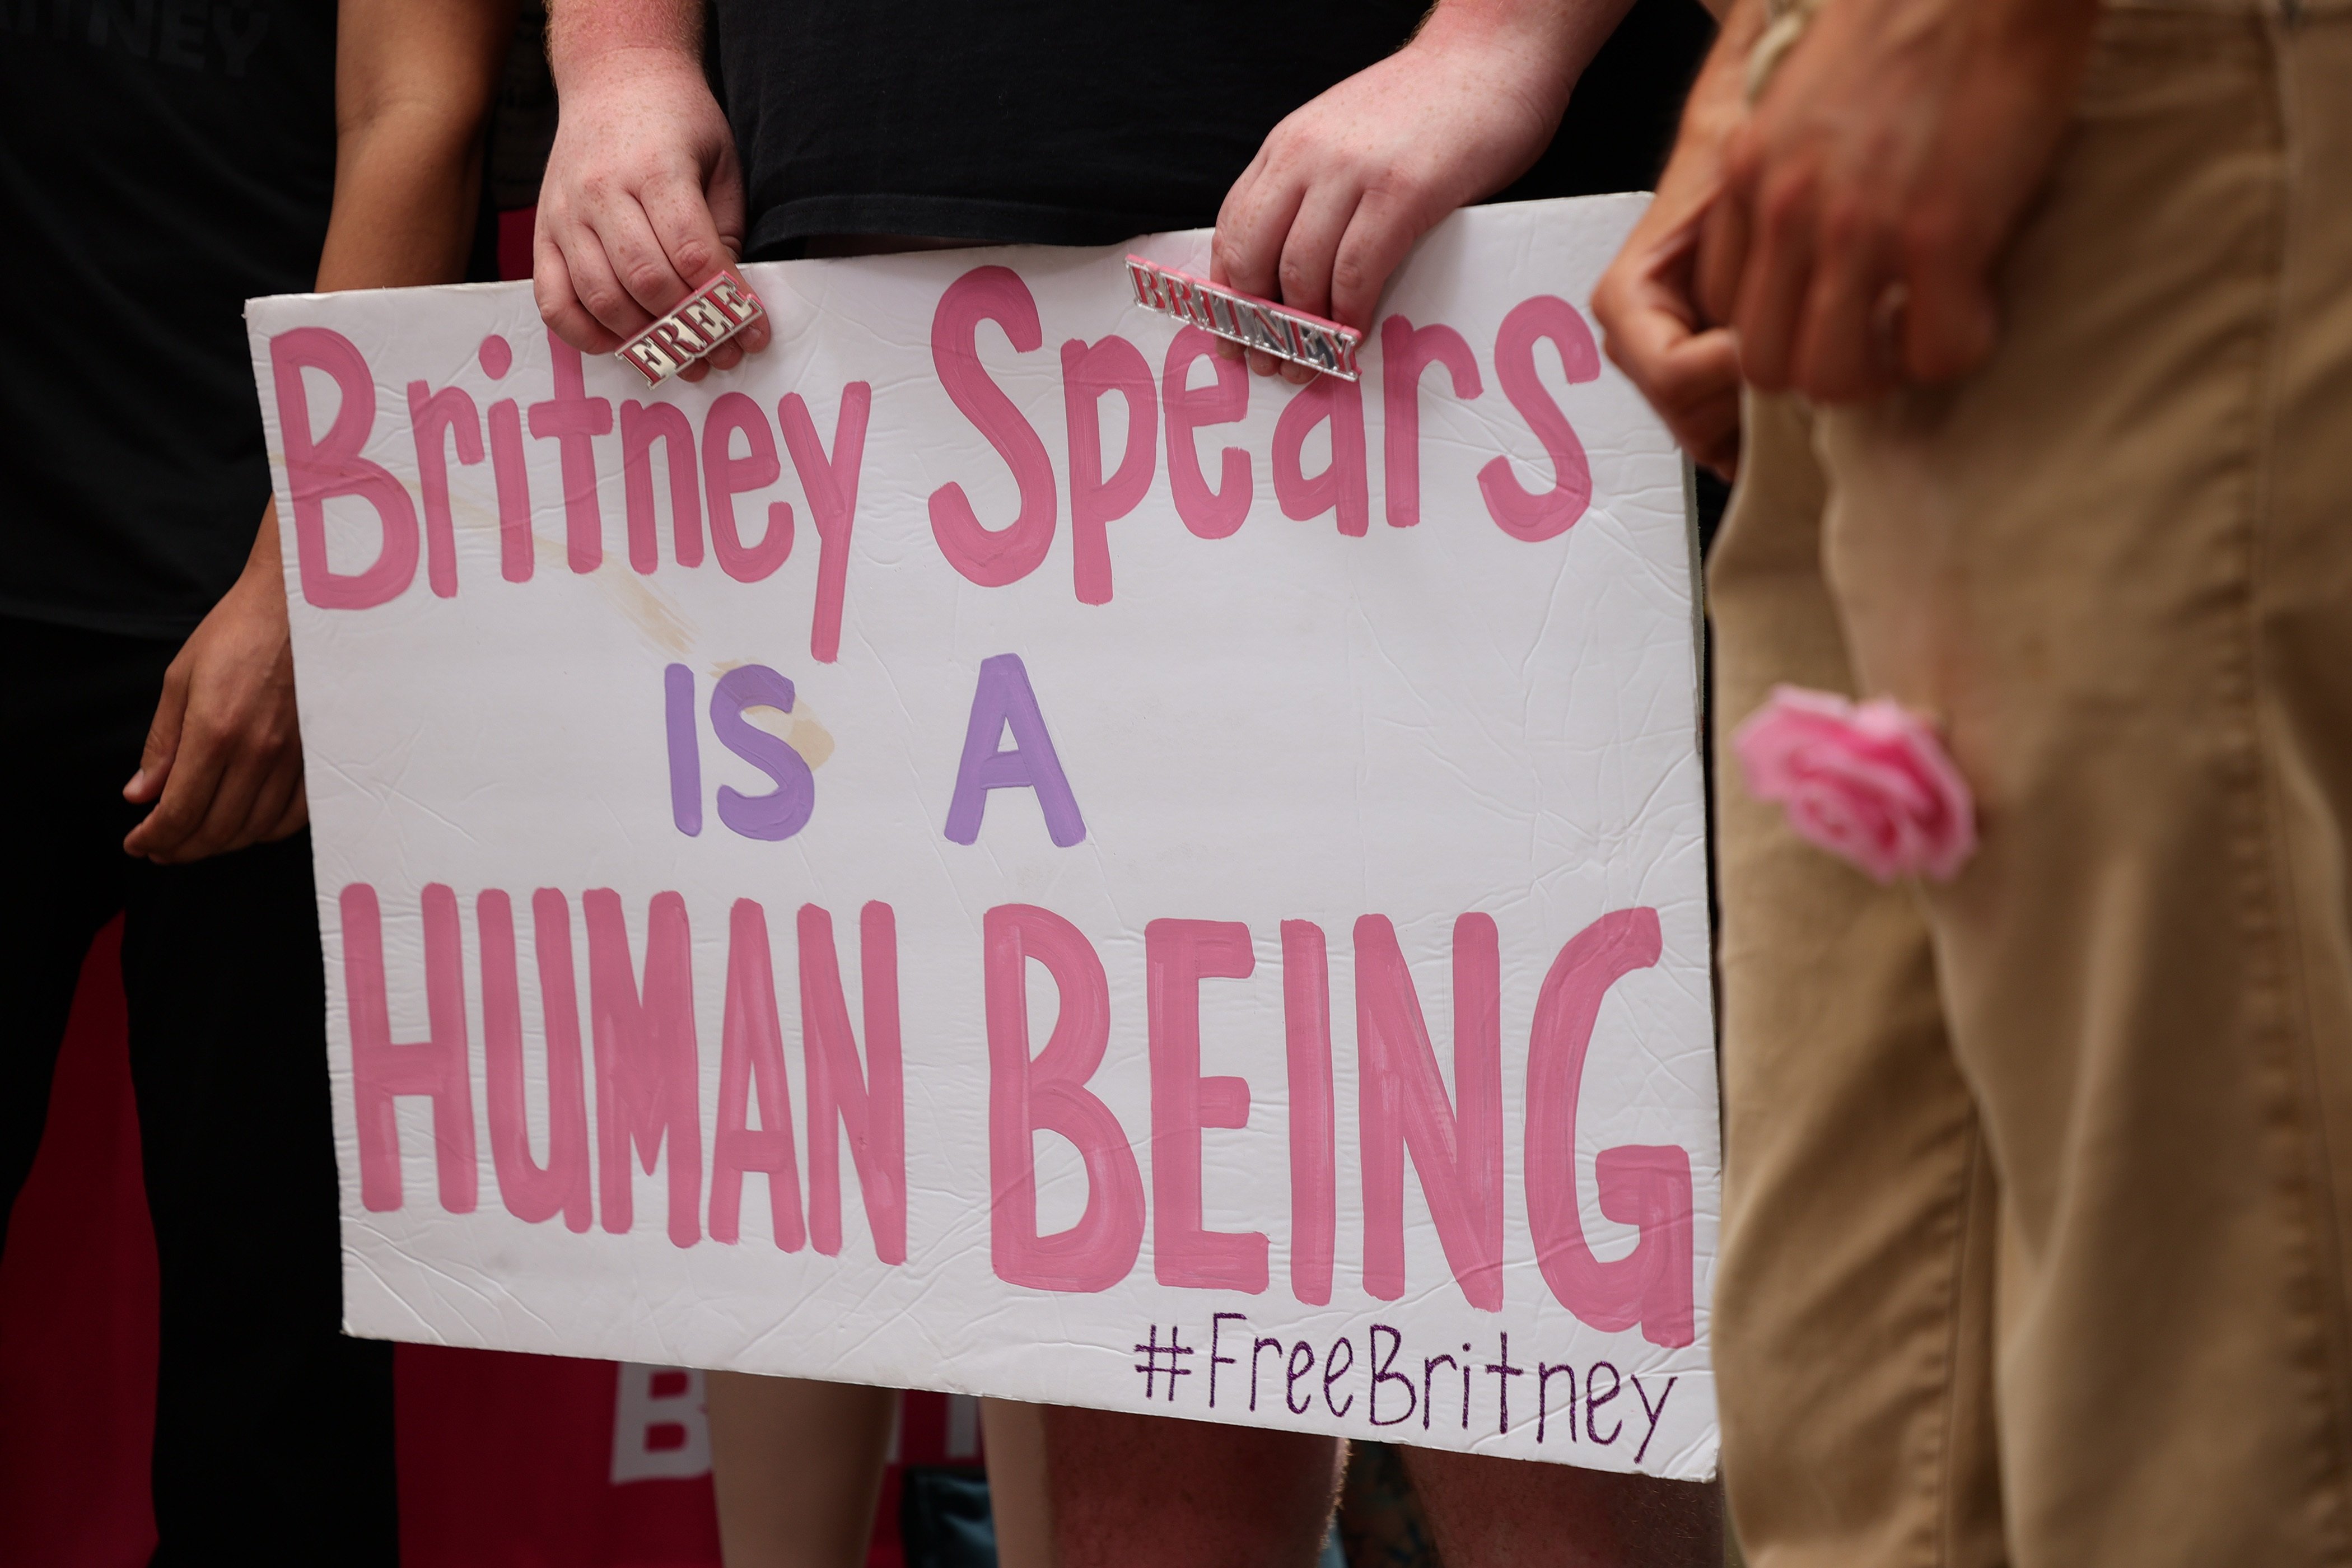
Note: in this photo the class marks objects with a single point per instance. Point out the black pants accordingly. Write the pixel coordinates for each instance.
(273, 1432)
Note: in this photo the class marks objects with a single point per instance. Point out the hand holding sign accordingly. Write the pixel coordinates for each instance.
(1344, 186)
(643, 202)
(991, 849)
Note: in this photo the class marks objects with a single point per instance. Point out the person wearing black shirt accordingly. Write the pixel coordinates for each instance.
(158, 165)
(1322, 138)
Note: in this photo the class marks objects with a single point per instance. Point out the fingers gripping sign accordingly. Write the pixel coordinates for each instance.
(705, 322)
(643, 202)
(1343, 187)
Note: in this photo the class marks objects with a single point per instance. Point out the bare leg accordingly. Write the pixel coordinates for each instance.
(1019, 1501)
(1502, 1514)
(1149, 1491)
(797, 1466)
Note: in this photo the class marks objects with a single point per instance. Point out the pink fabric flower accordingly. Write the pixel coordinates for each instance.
(1870, 783)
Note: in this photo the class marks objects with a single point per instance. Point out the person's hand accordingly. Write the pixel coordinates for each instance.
(223, 762)
(1872, 190)
(1646, 303)
(1653, 331)
(1345, 185)
(643, 201)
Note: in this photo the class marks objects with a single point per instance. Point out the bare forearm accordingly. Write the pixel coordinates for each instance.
(413, 84)
(223, 762)
(580, 33)
(406, 199)
(1559, 38)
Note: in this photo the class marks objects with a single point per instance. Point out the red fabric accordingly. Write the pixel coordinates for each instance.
(78, 1310)
(506, 1461)
(515, 230)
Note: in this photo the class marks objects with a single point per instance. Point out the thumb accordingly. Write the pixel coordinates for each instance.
(163, 740)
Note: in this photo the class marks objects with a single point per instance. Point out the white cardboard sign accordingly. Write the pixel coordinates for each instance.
(987, 849)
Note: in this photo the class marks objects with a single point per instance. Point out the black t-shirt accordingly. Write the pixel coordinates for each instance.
(1079, 123)
(161, 161)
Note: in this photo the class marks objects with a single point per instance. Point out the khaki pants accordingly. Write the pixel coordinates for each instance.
(2036, 1221)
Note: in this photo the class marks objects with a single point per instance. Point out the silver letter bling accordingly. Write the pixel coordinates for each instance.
(1247, 319)
(706, 318)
